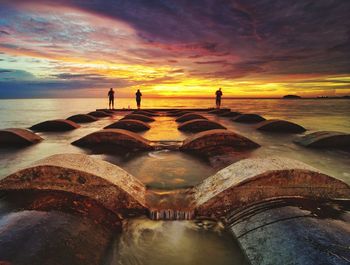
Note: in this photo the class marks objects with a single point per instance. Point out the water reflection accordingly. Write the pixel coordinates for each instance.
(146, 242)
(12, 159)
(164, 128)
(157, 242)
(164, 169)
(332, 162)
(312, 114)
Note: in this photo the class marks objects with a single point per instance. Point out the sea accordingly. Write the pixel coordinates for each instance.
(313, 114)
(160, 242)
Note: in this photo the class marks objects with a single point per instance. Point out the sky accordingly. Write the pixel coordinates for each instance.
(249, 48)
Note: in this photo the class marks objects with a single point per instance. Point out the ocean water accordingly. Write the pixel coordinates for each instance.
(314, 114)
(175, 243)
(152, 242)
(177, 169)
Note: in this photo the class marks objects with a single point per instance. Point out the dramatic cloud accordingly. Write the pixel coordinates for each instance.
(250, 47)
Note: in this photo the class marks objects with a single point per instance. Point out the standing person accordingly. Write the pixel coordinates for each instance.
(218, 94)
(111, 98)
(138, 98)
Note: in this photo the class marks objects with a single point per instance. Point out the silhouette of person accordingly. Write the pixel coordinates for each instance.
(111, 98)
(138, 98)
(218, 94)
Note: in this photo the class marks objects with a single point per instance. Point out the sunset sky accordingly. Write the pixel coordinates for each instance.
(250, 48)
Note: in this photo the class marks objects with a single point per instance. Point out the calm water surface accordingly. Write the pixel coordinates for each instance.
(169, 169)
(148, 242)
(314, 114)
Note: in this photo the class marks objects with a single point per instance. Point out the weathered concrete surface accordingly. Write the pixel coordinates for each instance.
(219, 111)
(199, 125)
(178, 113)
(253, 180)
(62, 201)
(280, 126)
(109, 185)
(114, 137)
(52, 238)
(146, 113)
(326, 139)
(294, 232)
(217, 141)
(172, 111)
(100, 114)
(82, 118)
(129, 125)
(55, 126)
(170, 205)
(158, 110)
(109, 111)
(18, 137)
(190, 116)
(230, 114)
(139, 117)
(248, 118)
(172, 145)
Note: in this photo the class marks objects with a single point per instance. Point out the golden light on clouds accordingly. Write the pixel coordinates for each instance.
(48, 46)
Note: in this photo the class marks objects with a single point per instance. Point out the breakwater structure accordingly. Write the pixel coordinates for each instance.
(280, 210)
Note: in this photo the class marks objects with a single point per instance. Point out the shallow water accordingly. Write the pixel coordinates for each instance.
(164, 169)
(173, 169)
(314, 114)
(145, 242)
(333, 162)
(164, 129)
(44, 236)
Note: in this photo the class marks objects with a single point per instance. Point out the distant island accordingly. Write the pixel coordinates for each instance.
(319, 97)
(291, 97)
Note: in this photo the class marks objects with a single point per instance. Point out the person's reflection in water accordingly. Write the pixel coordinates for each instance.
(218, 94)
(138, 98)
(111, 98)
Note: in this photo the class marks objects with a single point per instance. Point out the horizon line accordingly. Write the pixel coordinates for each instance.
(179, 97)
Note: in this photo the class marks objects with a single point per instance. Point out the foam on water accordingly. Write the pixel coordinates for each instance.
(146, 242)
